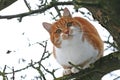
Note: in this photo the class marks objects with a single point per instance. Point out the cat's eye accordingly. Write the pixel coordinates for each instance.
(58, 31)
(69, 24)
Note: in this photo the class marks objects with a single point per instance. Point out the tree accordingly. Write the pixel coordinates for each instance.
(105, 11)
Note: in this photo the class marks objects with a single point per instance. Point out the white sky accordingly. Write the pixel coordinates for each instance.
(11, 38)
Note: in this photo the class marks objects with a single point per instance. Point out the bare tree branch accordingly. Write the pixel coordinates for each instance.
(47, 7)
(28, 5)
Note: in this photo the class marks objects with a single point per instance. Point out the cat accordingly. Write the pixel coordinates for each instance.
(74, 40)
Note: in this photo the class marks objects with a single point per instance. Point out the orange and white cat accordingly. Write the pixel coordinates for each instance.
(75, 40)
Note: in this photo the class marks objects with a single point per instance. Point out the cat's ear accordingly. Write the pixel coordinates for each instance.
(47, 26)
(66, 13)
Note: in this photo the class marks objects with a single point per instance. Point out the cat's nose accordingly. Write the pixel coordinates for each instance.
(66, 31)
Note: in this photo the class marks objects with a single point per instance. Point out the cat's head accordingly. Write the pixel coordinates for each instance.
(63, 29)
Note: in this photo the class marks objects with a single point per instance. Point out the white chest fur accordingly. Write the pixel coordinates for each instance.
(75, 51)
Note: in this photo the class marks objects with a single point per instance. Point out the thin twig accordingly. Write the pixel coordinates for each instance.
(13, 77)
(28, 5)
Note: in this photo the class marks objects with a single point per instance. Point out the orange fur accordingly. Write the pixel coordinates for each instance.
(91, 34)
(62, 26)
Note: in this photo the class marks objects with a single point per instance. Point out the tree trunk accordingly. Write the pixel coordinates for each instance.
(108, 14)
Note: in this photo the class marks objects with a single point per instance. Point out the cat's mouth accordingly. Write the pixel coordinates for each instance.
(67, 36)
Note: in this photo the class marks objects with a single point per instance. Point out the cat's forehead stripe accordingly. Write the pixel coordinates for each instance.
(62, 22)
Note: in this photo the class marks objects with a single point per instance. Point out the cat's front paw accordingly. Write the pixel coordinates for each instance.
(74, 70)
(67, 71)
